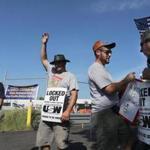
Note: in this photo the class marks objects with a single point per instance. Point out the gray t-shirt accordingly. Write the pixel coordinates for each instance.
(99, 78)
(66, 80)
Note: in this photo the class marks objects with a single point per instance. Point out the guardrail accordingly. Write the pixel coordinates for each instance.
(78, 118)
(75, 119)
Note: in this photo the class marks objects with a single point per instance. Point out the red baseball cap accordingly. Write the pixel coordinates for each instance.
(98, 44)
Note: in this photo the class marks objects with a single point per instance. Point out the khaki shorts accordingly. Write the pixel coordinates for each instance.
(49, 131)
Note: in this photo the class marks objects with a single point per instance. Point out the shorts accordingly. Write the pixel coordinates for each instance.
(50, 131)
(111, 130)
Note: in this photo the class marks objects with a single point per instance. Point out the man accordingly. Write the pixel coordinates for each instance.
(145, 48)
(58, 76)
(111, 129)
(2, 96)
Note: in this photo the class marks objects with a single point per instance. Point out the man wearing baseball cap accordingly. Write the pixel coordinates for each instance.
(145, 48)
(111, 130)
(58, 76)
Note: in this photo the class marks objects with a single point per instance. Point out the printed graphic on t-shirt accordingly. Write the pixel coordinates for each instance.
(54, 81)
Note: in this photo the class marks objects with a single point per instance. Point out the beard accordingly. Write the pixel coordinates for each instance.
(107, 60)
(59, 69)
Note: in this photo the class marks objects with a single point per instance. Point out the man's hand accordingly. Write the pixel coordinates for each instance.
(146, 74)
(130, 77)
(45, 38)
(65, 116)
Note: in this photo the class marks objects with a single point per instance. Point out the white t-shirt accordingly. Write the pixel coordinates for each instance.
(99, 78)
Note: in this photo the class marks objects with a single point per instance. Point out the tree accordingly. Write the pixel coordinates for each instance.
(41, 98)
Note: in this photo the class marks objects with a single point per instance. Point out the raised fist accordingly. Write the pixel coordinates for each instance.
(45, 38)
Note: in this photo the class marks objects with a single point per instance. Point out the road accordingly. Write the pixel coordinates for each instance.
(25, 140)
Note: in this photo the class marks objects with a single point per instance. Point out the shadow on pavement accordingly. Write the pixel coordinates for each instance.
(86, 133)
(72, 146)
(77, 146)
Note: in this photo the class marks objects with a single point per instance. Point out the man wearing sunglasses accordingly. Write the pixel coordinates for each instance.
(58, 76)
(111, 130)
(145, 48)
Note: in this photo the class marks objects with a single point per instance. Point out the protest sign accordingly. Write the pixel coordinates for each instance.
(144, 113)
(52, 108)
(129, 103)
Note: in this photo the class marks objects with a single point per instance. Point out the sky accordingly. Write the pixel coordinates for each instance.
(74, 26)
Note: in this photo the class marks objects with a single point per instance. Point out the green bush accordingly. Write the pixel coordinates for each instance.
(14, 120)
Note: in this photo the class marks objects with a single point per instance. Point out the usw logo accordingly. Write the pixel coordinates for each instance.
(52, 109)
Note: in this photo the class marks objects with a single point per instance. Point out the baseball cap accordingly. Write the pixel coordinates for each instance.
(98, 44)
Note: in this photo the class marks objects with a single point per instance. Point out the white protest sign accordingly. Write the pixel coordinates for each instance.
(144, 113)
(52, 108)
(129, 103)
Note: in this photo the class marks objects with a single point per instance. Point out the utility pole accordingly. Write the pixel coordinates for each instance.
(5, 78)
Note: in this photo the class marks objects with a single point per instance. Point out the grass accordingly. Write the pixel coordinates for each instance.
(14, 120)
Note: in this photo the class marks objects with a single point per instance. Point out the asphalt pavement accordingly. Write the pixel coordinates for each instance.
(80, 139)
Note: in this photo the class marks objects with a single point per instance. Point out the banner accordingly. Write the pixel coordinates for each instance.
(52, 108)
(129, 103)
(22, 92)
(144, 113)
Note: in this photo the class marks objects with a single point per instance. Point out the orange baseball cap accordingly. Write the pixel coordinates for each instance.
(98, 44)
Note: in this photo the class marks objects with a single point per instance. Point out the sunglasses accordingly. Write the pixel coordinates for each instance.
(107, 52)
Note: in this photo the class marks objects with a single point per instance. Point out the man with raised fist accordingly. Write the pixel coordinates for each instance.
(58, 76)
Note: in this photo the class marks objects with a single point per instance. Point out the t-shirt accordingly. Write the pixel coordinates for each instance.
(2, 91)
(99, 78)
(66, 80)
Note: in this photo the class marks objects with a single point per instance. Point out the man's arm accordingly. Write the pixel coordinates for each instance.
(118, 86)
(72, 102)
(44, 58)
(2, 94)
